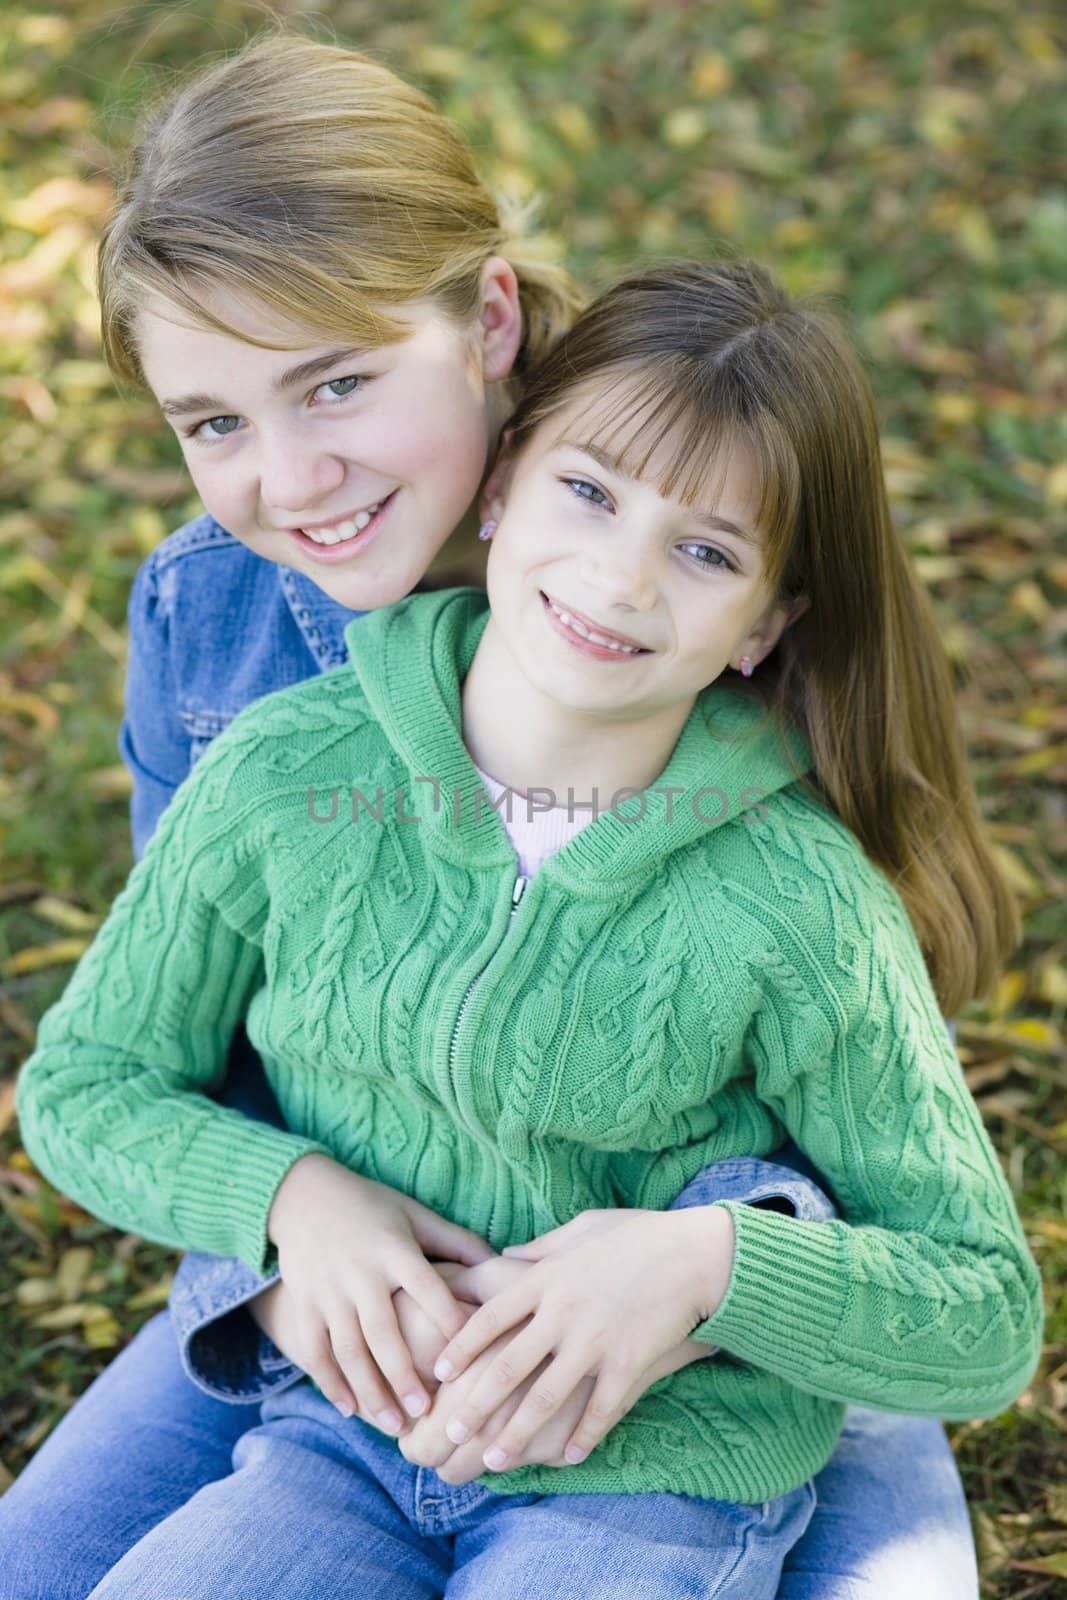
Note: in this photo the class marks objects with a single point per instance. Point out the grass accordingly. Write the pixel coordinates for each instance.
(906, 161)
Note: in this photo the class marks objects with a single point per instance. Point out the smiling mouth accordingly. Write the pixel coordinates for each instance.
(593, 635)
(344, 528)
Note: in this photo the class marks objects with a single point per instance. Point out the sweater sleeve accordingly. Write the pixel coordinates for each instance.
(112, 1104)
(924, 1298)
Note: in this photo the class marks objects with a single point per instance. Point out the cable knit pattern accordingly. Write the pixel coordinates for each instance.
(669, 992)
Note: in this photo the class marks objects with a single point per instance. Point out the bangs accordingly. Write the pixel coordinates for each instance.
(189, 276)
(677, 427)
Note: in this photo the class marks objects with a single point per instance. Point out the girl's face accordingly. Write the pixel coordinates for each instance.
(615, 601)
(352, 466)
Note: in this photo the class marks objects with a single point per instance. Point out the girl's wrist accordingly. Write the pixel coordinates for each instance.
(710, 1252)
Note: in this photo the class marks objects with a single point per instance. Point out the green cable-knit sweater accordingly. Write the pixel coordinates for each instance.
(714, 964)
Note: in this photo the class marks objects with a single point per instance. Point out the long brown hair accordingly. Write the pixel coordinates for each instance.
(722, 351)
(324, 187)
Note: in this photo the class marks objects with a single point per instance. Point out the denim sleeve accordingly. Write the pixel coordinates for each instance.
(217, 1345)
(222, 1349)
(152, 741)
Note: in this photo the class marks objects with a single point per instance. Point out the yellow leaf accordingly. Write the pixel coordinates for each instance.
(1056, 484)
(156, 1294)
(1036, 761)
(575, 127)
(684, 127)
(103, 1333)
(1031, 1031)
(976, 236)
(796, 231)
(64, 915)
(440, 61)
(1028, 600)
(109, 783)
(34, 1292)
(955, 409)
(710, 73)
(547, 36)
(1019, 876)
(22, 703)
(44, 30)
(60, 953)
(70, 1316)
(1039, 45)
(39, 211)
(722, 202)
(74, 1267)
(1052, 984)
(1009, 992)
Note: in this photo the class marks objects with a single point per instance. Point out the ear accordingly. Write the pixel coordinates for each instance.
(500, 319)
(494, 493)
(774, 622)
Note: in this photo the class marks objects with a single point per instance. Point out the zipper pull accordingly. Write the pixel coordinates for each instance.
(517, 893)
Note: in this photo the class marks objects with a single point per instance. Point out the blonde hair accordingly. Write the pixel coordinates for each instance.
(690, 352)
(318, 183)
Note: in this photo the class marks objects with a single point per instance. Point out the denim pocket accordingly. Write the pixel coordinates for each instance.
(202, 727)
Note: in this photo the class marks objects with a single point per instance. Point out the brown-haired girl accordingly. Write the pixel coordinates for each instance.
(534, 1036)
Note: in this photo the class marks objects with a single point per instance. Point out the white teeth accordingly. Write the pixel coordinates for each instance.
(342, 530)
(587, 633)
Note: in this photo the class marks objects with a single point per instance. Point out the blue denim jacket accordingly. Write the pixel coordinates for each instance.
(212, 628)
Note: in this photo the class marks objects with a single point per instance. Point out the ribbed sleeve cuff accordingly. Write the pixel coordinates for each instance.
(783, 1303)
(229, 1177)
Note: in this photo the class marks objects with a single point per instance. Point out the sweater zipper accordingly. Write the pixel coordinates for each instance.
(516, 895)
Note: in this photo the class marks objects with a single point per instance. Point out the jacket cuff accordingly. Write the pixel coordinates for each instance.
(223, 1351)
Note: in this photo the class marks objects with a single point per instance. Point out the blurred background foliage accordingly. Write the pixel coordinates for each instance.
(907, 160)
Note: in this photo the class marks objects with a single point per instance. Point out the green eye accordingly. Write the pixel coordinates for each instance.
(339, 387)
(213, 428)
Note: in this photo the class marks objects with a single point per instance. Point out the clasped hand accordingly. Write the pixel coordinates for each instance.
(572, 1329)
(605, 1308)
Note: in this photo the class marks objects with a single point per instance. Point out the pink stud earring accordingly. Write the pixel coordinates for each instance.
(747, 669)
(487, 530)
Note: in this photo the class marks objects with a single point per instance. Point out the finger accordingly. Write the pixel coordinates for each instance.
(490, 1320)
(439, 1237)
(425, 1444)
(544, 1243)
(433, 1296)
(324, 1371)
(387, 1346)
(548, 1392)
(513, 1363)
(466, 1460)
(607, 1403)
(361, 1372)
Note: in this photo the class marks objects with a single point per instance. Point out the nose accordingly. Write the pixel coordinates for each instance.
(623, 570)
(296, 476)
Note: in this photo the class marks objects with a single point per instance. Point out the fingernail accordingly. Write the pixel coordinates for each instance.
(457, 1432)
(495, 1459)
(344, 1407)
(574, 1453)
(444, 1369)
(414, 1404)
(390, 1420)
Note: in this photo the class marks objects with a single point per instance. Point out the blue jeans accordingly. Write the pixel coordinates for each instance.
(320, 1505)
(890, 1521)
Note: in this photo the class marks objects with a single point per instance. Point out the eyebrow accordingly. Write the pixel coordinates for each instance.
(291, 379)
(709, 519)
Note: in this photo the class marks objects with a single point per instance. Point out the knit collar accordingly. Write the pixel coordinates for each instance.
(411, 659)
